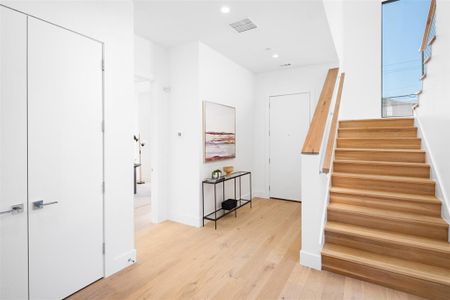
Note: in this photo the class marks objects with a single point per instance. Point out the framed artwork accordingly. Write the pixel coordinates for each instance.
(219, 126)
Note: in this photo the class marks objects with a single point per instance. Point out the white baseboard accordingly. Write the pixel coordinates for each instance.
(120, 262)
(187, 220)
(261, 194)
(311, 260)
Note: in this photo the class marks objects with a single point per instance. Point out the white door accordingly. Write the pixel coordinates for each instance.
(289, 122)
(65, 161)
(13, 155)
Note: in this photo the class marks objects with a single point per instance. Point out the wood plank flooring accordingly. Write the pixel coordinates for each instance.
(253, 256)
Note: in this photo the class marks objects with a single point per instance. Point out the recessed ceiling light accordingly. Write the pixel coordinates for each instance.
(225, 9)
(275, 55)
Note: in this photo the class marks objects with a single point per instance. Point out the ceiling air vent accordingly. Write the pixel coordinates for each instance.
(243, 25)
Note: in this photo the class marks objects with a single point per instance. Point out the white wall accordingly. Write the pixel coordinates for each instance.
(185, 127)
(199, 73)
(225, 82)
(434, 111)
(334, 11)
(356, 29)
(309, 79)
(112, 23)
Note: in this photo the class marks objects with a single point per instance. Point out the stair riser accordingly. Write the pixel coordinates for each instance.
(402, 226)
(379, 143)
(389, 170)
(378, 133)
(377, 123)
(422, 188)
(418, 157)
(416, 254)
(408, 284)
(428, 209)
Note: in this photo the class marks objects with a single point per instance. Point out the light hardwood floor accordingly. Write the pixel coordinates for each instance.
(253, 256)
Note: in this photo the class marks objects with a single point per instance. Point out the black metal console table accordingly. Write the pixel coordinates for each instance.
(219, 213)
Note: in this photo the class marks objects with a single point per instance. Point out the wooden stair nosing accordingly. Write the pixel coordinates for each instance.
(379, 142)
(390, 215)
(379, 122)
(418, 185)
(390, 237)
(391, 264)
(389, 195)
(378, 276)
(386, 178)
(373, 154)
(407, 169)
(429, 209)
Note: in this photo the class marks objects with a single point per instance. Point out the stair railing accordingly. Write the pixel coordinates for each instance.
(317, 154)
(429, 36)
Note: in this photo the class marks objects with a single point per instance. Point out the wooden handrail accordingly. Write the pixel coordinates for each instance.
(317, 126)
(428, 24)
(332, 136)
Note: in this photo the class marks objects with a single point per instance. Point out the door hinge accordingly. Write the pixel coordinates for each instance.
(103, 65)
(103, 248)
(103, 187)
(269, 160)
(103, 126)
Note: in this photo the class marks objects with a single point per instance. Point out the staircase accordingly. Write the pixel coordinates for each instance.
(384, 221)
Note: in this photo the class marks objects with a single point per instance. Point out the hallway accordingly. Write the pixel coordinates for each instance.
(253, 256)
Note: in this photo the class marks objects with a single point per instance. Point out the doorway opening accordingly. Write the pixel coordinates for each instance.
(402, 30)
(142, 154)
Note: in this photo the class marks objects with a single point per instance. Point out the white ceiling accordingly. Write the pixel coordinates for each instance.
(296, 30)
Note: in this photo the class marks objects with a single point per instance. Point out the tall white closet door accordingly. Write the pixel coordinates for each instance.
(13, 155)
(289, 122)
(65, 161)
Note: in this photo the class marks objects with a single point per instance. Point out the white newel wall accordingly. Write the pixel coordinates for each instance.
(112, 23)
(433, 114)
(315, 198)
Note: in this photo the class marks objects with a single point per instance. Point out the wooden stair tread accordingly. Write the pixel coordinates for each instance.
(388, 236)
(374, 128)
(389, 195)
(381, 150)
(387, 263)
(376, 120)
(385, 177)
(382, 163)
(388, 214)
(380, 138)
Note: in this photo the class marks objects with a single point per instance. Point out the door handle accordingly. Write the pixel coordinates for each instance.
(40, 204)
(15, 209)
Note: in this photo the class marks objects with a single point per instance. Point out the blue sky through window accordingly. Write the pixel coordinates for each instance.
(403, 26)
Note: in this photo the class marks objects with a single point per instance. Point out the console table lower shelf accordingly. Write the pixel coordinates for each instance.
(219, 213)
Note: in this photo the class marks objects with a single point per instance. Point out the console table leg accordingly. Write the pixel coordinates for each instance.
(251, 194)
(215, 208)
(203, 205)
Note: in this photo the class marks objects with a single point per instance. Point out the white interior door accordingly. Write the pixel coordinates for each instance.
(289, 122)
(65, 161)
(13, 155)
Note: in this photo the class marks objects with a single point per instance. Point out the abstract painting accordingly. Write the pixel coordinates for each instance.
(219, 124)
